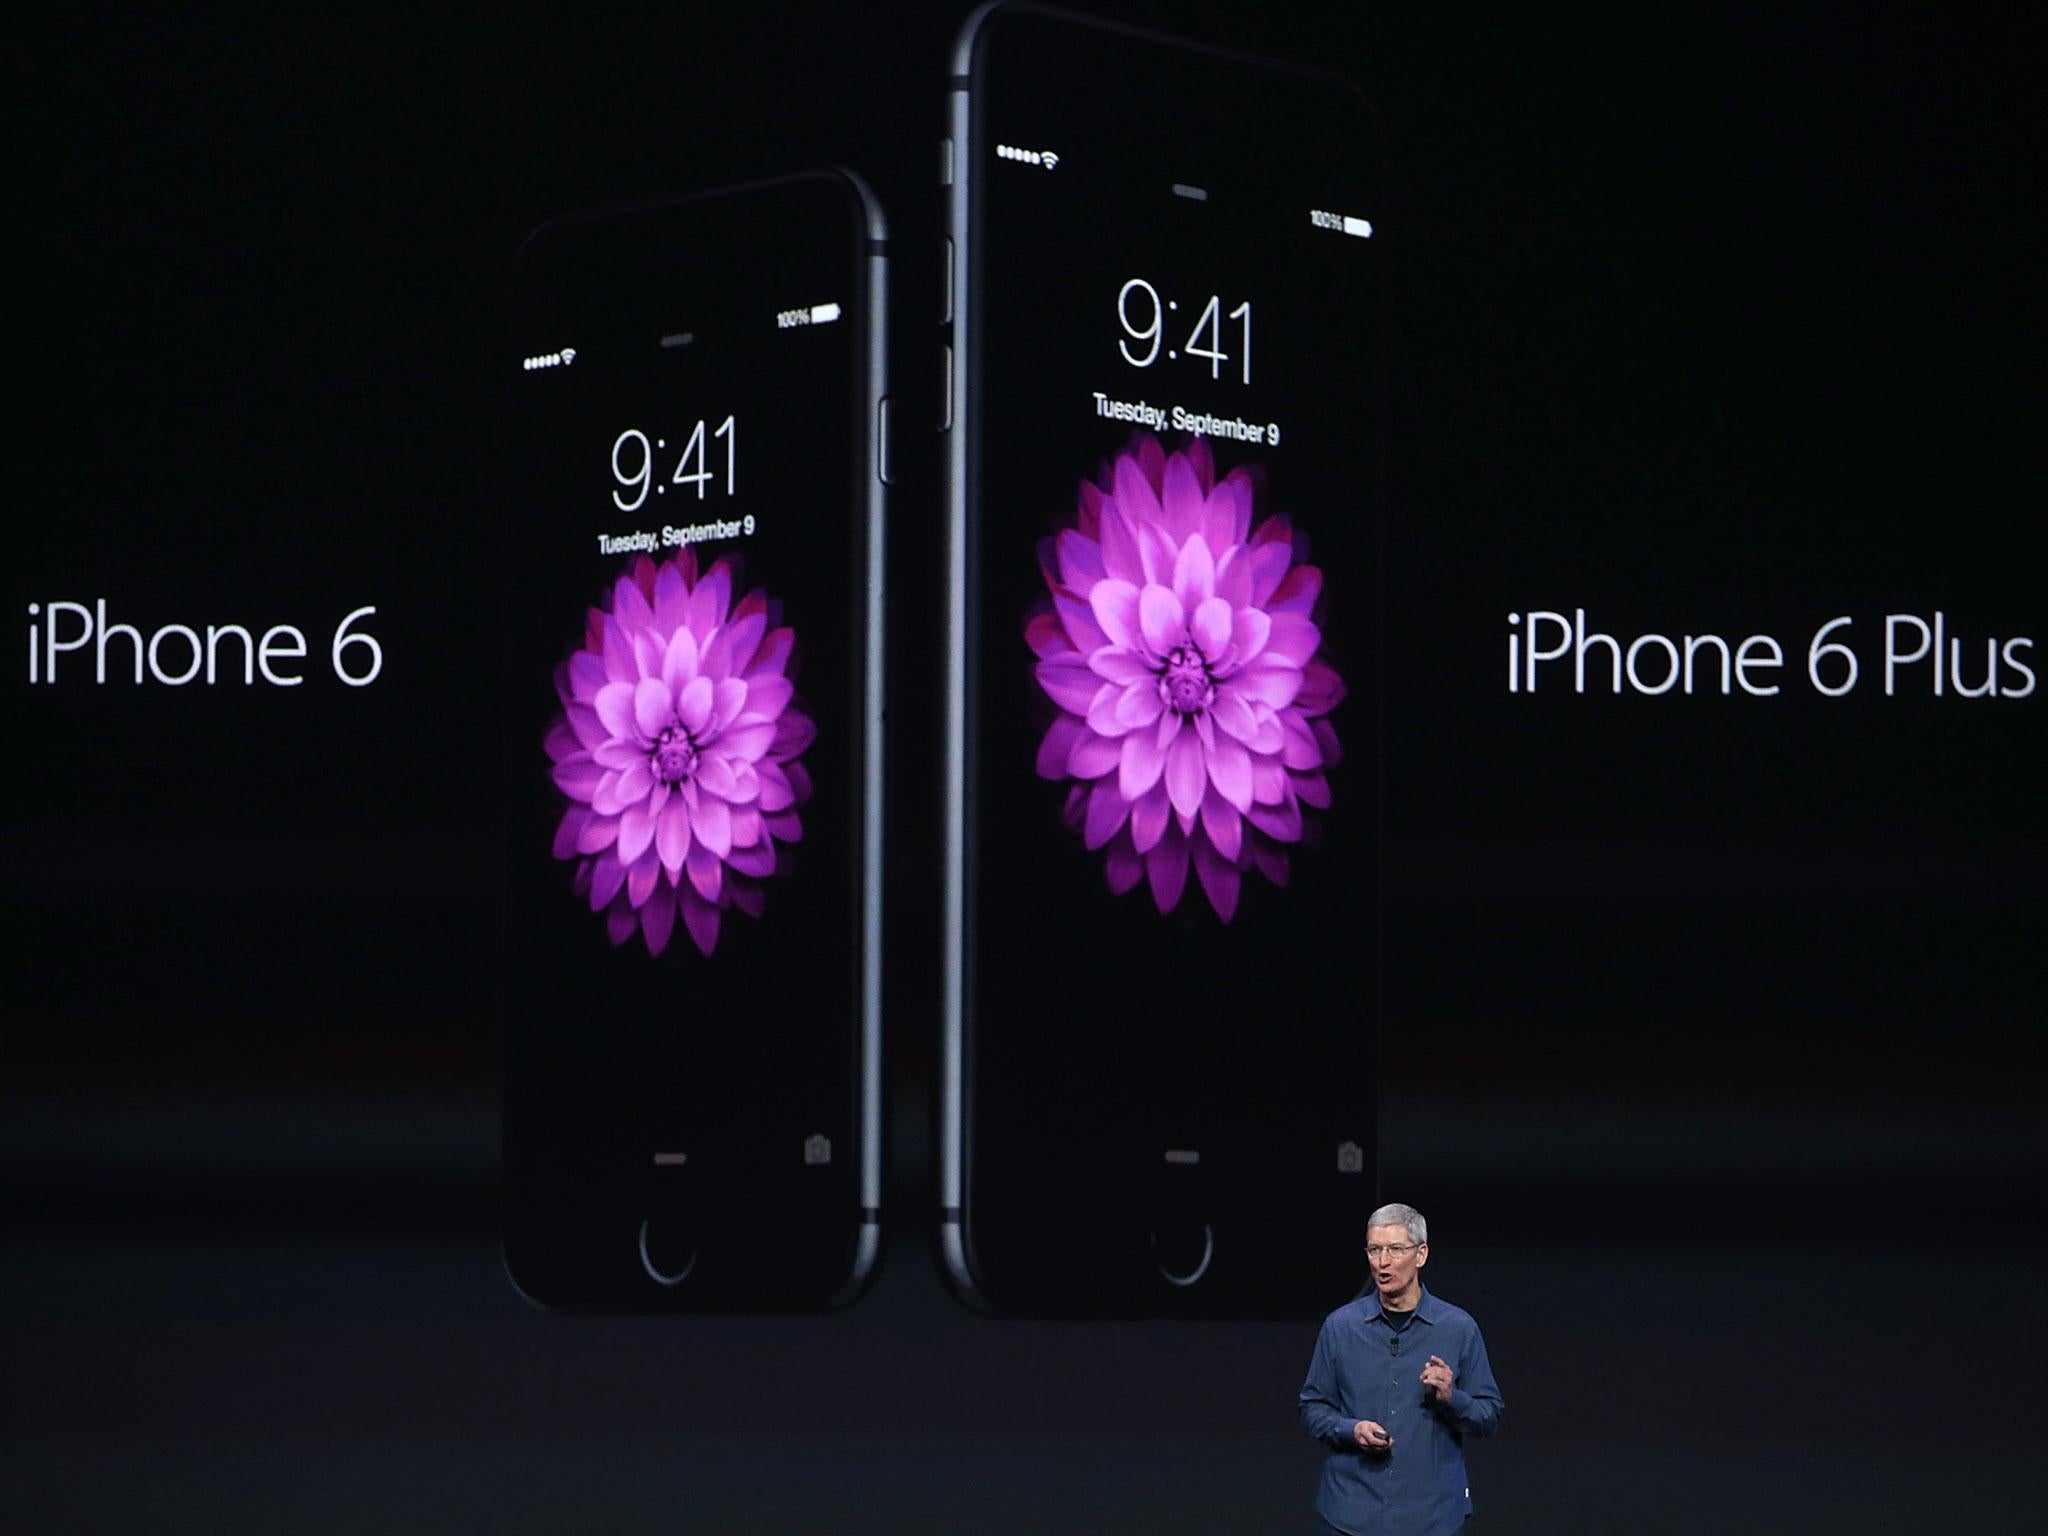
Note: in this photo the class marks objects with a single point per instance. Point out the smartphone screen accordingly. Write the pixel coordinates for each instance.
(691, 758)
(1166, 465)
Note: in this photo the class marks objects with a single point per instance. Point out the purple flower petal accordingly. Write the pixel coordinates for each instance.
(1069, 684)
(1293, 636)
(1269, 681)
(746, 829)
(1223, 825)
(706, 871)
(1125, 868)
(1120, 559)
(1141, 761)
(636, 783)
(1194, 574)
(1053, 752)
(588, 728)
(614, 705)
(671, 598)
(1230, 770)
(1106, 812)
(711, 822)
(1297, 594)
(1102, 711)
(598, 834)
(693, 704)
(1219, 879)
(1077, 618)
(1211, 627)
(1045, 636)
(715, 777)
(1181, 498)
(1080, 560)
(607, 879)
(1139, 703)
(1093, 756)
(1116, 664)
(700, 917)
(1186, 776)
(1149, 819)
(1250, 629)
(1301, 750)
(1233, 716)
(672, 836)
(679, 664)
(751, 741)
(619, 666)
(733, 697)
(621, 922)
(1135, 498)
(586, 676)
(568, 830)
(1157, 553)
(578, 777)
(658, 921)
(773, 653)
(1269, 781)
(1161, 619)
(1322, 690)
(1167, 864)
(1234, 576)
(776, 793)
(636, 831)
(1115, 607)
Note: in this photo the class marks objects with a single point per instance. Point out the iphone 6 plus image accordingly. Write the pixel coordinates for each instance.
(1162, 941)
(692, 754)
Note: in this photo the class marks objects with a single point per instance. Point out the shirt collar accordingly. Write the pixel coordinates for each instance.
(1426, 1306)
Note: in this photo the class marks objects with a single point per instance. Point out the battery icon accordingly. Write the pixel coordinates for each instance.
(824, 314)
(1359, 227)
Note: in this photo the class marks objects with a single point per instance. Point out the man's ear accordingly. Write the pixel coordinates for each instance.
(1421, 1254)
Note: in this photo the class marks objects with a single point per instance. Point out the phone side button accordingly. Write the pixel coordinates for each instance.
(668, 1249)
(946, 390)
(882, 442)
(1182, 1247)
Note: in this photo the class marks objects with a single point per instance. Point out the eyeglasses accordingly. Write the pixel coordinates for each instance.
(1389, 1250)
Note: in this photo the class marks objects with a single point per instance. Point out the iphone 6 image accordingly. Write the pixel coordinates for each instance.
(692, 753)
(1162, 944)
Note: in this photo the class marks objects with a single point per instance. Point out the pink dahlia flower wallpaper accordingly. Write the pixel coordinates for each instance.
(678, 749)
(1181, 650)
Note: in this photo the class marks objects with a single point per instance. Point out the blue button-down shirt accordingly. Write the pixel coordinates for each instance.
(1364, 1369)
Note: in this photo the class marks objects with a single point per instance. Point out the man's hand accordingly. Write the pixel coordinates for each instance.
(1437, 1377)
(1371, 1436)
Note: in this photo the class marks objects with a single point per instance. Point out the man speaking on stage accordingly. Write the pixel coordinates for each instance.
(1399, 1379)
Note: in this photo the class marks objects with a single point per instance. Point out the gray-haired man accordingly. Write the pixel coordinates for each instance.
(1398, 1381)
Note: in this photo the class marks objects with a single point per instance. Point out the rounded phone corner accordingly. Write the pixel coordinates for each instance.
(867, 1263)
(958, 1267)
(529, 1292)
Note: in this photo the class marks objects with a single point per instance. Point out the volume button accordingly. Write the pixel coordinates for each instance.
(946, 307)
(946, 390)
(946, 162)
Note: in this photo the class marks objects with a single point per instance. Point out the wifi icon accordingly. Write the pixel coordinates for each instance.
(1050, 159)
(568, 356)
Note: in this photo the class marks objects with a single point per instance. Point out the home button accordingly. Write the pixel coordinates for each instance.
(668, 1249)
(1182, 1247)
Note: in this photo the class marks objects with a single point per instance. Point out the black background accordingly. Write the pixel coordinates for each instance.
(1709, 1020)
